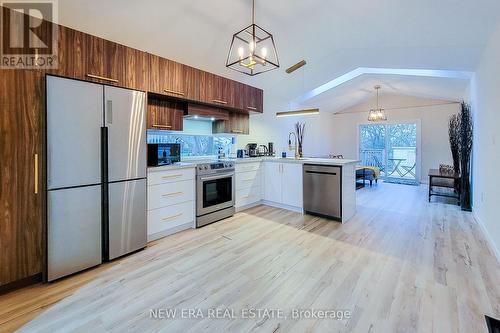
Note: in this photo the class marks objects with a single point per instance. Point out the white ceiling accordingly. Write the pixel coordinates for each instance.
(334, 36)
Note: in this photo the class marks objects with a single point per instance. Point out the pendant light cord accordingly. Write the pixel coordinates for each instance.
(253, 11)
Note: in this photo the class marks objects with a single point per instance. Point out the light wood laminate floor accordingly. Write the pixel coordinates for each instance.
(401, 265)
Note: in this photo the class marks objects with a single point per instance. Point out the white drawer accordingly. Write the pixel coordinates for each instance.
(247, 179)
(248, 196)
(168, 194)
(169, 217)
(245, 167)
(162, 177)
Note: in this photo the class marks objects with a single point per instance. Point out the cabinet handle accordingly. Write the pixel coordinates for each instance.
(245, 197)
(248, 180)
(237, 131)
(172, 176)
(180, 93)
(162, 126)
(219, 101)
(251, 108)
(172, 194)
(171, 217)
(102, 78)
(36, 173)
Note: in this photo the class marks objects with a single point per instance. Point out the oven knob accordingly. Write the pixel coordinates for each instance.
(206, 167)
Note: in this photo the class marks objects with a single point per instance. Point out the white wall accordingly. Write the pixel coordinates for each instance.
(485, 100)
(435, 148)
(329, 133)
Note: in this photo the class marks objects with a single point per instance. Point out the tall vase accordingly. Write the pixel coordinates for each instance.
(466, 140)
(300, 150)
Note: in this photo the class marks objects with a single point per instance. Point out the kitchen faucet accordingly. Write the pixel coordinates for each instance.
(290, 144)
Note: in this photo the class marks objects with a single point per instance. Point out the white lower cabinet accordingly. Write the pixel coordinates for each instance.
(283, 183)
(163, 219)
(248, 184)
(171, 201)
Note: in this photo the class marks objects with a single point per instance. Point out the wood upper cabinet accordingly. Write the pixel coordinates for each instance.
(105, 61)
(238, 123)
(22, 186)
(136, 69)
(254, 101)
(72, 53)
(167, 77)
(165, 115)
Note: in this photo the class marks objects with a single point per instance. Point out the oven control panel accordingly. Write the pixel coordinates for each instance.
(215, 167)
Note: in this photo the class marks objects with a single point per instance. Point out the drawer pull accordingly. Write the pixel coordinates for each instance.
(245, 197)
(248, 180)
(251, 108)
(162, 126)
(219, 101)
(172, 176)
(171, 217)
(92, 76)
(172, 194)
(237, 131)
(36, 173)
(180, 93)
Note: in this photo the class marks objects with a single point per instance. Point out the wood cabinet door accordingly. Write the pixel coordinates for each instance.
(208, 87)
(165, 115)
(167, 77)
(136, 69)
(105, 61)
(22, 184)
(238, 123)
(253, 99)
(72, 53)
(192, 77)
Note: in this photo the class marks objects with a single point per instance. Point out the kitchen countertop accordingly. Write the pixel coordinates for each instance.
(305, 160)
(175, 166)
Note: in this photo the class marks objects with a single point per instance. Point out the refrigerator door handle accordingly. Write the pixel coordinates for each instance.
(109, 112)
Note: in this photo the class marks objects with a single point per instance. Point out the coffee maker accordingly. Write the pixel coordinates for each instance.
(252, 150)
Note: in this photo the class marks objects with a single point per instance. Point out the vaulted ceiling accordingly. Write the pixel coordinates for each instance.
(334, 36)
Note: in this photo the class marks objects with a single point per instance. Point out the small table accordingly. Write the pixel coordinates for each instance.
(444, 180)
(397, 162)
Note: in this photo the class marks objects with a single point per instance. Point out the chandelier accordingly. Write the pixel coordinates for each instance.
(377, 114)
(252, 50)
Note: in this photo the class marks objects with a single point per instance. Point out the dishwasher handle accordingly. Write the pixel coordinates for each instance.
(322, 172)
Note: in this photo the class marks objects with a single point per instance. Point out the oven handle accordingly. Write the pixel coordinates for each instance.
(225, 175)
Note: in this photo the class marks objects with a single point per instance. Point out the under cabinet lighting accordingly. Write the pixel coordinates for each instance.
(304, 112)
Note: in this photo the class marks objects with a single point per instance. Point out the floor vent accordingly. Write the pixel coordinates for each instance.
(493, 324)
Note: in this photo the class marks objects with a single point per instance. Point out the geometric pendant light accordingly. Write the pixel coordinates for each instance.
(252, 50)
(377, 114)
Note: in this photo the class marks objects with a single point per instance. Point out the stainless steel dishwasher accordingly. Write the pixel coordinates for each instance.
(323, 190)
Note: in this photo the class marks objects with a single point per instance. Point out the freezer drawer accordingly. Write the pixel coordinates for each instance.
(127, 217)
(125, 118)
(322, 190)
(73, 230)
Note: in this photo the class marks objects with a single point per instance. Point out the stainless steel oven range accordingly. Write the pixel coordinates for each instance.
(214, 192)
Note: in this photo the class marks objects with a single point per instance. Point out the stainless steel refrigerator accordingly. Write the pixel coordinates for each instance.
(96, 174)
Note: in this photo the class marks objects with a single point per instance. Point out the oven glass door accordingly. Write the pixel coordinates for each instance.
(217, 191)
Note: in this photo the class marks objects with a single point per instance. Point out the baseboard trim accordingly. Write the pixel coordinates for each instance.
(15, 285)
(174, 230)
(278, 205)
(487, 235)
(245, 207)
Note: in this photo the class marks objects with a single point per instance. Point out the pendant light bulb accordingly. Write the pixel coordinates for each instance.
(263, 52)
(241, 52)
